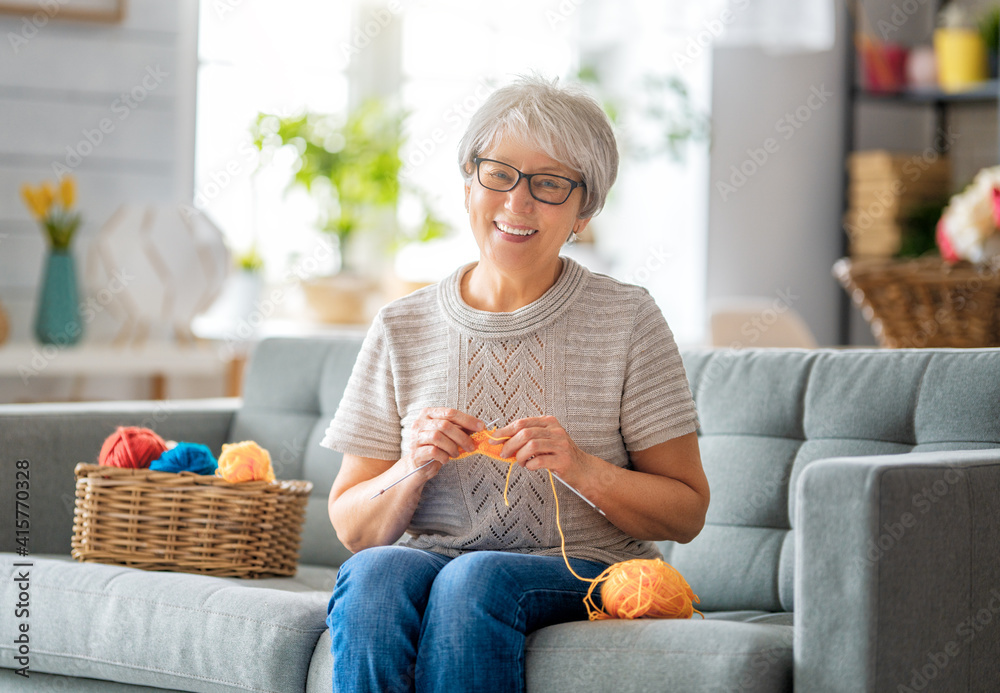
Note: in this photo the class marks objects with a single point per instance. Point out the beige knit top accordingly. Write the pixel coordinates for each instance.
(593, 352)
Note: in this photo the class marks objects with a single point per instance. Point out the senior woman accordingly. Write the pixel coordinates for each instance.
(584, 377)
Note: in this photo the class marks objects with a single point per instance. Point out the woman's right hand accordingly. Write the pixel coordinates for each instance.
(440, 434)
(361, 515)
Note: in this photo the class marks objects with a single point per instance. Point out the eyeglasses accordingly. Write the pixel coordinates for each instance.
(544, 187)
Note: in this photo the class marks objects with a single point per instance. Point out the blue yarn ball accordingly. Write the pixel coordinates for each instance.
(186, 457)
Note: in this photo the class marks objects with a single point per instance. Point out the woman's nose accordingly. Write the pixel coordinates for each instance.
(519, 197)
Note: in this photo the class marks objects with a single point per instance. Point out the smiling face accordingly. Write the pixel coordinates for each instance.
(516, 233)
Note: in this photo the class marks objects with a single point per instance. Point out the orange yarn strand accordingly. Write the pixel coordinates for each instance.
(640, 588)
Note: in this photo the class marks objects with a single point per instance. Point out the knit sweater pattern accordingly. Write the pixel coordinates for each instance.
(593, 352)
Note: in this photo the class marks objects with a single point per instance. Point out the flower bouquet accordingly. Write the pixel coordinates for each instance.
(52, 208)
(969, 228)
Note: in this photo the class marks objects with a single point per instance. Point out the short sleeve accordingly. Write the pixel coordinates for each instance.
(367, 422)
(656, 400)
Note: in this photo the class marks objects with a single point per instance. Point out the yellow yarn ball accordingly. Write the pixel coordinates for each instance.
(645, 588)
(245, 461)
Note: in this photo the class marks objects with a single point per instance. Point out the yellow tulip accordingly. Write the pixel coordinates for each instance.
(33, 201)
(47, 195)
(67, 192)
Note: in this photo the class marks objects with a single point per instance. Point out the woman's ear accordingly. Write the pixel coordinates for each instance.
(468, 189)
(580, 224)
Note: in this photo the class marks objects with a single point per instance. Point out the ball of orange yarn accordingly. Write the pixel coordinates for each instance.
(245, 461)
(645, 588)
(131, 447)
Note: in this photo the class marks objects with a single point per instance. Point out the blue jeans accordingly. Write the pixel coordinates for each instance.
(404, 619)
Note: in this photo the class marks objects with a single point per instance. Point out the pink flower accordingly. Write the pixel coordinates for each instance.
(944, 243)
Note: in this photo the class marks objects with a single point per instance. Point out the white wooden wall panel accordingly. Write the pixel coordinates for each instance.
(65, 79)
(44, 131)
(61, 60)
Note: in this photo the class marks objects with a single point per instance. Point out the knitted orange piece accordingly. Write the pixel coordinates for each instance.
(487, 445)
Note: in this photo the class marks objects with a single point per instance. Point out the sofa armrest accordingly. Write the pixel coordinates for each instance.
(53, 438)
(897, 579)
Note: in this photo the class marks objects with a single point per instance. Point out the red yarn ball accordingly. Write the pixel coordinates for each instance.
(131, 447)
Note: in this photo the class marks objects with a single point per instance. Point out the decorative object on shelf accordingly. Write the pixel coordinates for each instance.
(158, 267)
(57, 316)
(925, 302)
(883, 64)
(969, 228)
(236, 315)
(960, 49)
(884, 189)
(921, 67)
(989, 29)
(4, 324)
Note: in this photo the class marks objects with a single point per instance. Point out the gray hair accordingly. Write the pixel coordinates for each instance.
(564, 121)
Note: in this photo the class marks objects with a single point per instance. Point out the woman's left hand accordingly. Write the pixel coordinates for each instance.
(542, 443)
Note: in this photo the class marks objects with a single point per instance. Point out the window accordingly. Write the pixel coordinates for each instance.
(439, 60)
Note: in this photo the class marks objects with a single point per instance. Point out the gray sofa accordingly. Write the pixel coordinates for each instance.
(859, 490)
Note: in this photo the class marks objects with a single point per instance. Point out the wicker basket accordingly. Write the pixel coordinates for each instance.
(925, 302)
(188, 523)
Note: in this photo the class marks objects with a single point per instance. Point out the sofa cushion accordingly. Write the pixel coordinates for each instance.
(730, 651)
(641, 656)
(172, 630)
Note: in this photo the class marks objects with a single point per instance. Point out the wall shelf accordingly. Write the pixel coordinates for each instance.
(985, 92)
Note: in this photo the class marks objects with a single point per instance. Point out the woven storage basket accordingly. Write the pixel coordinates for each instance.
(925, 302)
(187, 522)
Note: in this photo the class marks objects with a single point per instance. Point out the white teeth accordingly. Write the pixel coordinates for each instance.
(514, 232)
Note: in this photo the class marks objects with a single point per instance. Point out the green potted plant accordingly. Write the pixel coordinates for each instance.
(350, 166)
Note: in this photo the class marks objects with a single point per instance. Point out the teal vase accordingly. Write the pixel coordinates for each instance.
(58, 318)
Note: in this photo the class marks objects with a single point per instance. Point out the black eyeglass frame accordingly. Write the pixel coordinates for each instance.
(573, 185)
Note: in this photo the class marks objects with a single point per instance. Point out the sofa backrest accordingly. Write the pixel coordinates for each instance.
(767, 414)
(291, 390)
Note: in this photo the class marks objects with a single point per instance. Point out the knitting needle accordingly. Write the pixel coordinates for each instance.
(417, 469)
(585, 499)
(405, 476)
